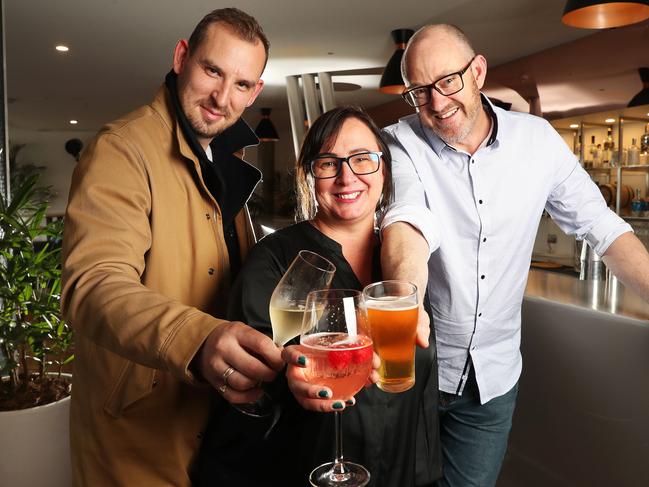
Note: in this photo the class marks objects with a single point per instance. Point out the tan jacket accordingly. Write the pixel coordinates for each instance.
(145, 270)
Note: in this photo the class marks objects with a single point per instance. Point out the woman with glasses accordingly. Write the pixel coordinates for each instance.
(343, 182)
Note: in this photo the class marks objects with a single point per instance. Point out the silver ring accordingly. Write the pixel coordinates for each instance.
(228, 372)
(222, 389)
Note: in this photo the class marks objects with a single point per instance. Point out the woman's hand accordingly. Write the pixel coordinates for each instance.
(311, 396)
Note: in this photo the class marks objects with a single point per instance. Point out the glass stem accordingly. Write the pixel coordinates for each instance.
(339, 466)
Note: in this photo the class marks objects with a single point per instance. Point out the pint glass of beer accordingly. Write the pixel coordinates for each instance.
(393, 310)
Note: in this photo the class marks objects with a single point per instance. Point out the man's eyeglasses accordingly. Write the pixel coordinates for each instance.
(447, 85)
(325, 167)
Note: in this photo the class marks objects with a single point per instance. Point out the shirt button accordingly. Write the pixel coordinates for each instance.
(479, 314)
(210, 271)
(472, 348)
(472, 161)
(484, 239)
(480, 201)
(482, 276)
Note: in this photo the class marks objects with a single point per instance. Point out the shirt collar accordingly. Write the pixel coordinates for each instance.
(438, 145)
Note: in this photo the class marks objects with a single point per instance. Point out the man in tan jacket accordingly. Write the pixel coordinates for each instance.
(156, 228)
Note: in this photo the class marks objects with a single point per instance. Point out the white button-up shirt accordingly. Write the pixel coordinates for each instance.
(480, 214)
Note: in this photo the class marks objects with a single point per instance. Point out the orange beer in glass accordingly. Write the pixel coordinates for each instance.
(393, 311)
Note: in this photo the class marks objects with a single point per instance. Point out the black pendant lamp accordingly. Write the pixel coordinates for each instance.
(642, 97)
(265, 130)
(604, 14)
(391, 80)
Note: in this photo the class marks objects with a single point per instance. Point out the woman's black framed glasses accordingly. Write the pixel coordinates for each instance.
(325, 167)
(447, 85)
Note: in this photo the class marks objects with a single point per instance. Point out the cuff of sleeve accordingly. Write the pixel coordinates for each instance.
(418, 217)
(605, 231)
(185, 342)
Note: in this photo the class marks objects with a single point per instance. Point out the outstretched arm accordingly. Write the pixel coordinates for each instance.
(404, 256)
(628, 260)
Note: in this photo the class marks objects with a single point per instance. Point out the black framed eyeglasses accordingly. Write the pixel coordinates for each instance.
(325, 167)
(447, 85)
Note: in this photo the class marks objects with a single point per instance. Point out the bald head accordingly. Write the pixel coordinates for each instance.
(434, 38)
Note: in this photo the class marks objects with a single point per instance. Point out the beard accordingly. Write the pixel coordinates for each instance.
(456, 133)
(202, 128)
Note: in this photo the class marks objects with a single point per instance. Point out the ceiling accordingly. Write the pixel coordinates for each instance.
(120, 50)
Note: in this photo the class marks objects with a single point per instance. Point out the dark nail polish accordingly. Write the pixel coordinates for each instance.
(337, 405)
(323, 394)
(301, 360)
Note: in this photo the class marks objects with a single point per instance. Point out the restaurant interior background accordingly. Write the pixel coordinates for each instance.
(120, 50)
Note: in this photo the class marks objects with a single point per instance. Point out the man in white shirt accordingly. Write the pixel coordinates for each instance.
(471, 183)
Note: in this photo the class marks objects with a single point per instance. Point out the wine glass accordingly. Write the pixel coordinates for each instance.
(337, 343)
(308, 271)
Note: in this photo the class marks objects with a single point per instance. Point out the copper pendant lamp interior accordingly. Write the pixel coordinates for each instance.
(604, 14)
(391, 80)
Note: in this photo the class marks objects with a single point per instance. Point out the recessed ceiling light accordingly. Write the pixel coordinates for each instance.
(74, 122)
(62, 48)
(574, 125)
(609, 120)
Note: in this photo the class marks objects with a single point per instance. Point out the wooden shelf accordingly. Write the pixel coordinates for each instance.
(638, 167)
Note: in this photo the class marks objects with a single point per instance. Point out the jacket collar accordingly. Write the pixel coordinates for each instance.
(229, 180)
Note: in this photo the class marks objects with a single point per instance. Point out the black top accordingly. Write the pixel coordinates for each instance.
(395, 436)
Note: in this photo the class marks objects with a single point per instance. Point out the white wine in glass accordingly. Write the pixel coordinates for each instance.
(308, 272)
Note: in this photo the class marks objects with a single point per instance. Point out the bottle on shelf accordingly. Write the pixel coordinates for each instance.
(644, 146)
(596, 153)
(637, 204)
(609, 148)
(589, 155)
(633, 154)
(644, 141)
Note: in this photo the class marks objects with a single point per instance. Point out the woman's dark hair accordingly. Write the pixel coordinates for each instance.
(321, 136)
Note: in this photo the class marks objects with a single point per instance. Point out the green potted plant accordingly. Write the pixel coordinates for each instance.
(35, 342)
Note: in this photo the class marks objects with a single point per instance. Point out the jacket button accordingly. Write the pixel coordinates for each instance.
(210, 271)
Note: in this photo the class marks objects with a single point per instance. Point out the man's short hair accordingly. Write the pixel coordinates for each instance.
(242, 24)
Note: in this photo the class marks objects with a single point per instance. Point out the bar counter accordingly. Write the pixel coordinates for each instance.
(582, 417)
(608, 296)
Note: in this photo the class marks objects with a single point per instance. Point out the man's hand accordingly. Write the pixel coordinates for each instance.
(253, 357)
(423, 327)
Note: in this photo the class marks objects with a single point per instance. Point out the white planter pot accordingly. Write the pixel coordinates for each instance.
(35, 446)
